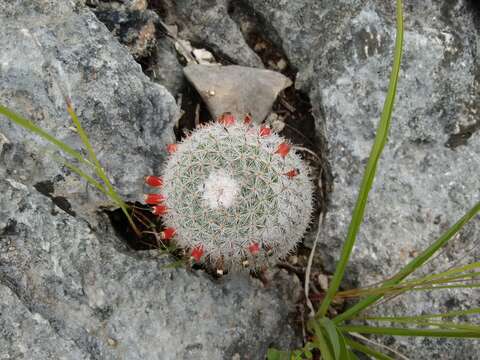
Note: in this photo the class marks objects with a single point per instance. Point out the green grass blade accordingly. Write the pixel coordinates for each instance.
(332, 336)
(452, 325)
(474, 311)
(82, 134)
(369, 175)
(30, 126)
(322, 343)
(345, 352)
(441, 324)
(412, 266)
(394, 331)
(367, 350)
(81, 173)
(461, 278)
(451, 273)
(351, 355)
(461, 273)
(443, 287)
(98, 168)
(465, 282)
(274, 354)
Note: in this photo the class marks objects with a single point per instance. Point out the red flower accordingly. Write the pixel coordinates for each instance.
(167, 233)
(265, 131)
(248, 119)
(159, 210)
(153, 181)
(283, 149)
(171, 148)
(197, 252)
(254, 248)
(292, 173)
(153, 199)
(226, 119)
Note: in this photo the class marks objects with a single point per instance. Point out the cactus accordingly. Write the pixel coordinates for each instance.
(234, 194)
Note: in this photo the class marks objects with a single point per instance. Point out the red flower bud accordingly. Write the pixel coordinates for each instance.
(283, 149)
(292, 173)
(159, 210)
(167, 233)
(197, 252)
(254, 248)
(153, 199)
(226, 119)
(265, 131)
(171, 148)
(153, 181)
(248, 119)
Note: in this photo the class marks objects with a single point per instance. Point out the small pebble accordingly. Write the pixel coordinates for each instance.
(278, 125)
(281, 64)
(272, 64)
(260, 46)
(322, 280)
(112, 342)
(293, 259)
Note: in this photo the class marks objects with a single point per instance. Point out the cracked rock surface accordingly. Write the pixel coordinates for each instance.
(71, 53)
(69, 288)
(428, 175)
(97, 301)
(81, 286)
(207, 22)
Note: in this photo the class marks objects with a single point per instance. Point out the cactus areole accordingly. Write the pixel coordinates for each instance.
(237, 196)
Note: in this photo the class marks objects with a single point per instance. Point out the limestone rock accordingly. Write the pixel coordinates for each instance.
(237, 89)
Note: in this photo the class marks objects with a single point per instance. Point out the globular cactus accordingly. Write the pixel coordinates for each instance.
(234, 195)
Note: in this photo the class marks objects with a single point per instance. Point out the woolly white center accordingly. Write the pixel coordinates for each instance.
(220, 190)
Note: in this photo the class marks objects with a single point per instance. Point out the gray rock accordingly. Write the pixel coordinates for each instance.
(70, 289)
(104, 303)
(132, 25)
(98, 296)
(428, 175)
(237, 89)
(207, 24)
(166, 70)
(142, 32)
(26, 334)
(128, 118)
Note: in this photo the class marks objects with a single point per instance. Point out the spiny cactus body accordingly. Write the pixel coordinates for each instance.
(236, 195)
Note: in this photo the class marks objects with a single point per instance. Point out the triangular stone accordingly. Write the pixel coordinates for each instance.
(237, 89)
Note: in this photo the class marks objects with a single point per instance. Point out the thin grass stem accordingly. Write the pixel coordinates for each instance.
(369, 175)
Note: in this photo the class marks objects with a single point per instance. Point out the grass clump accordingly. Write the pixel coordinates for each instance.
(102, 183)
(337, 338)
